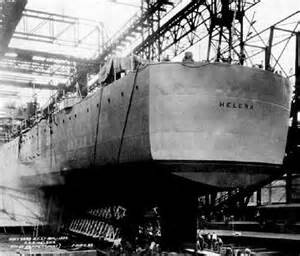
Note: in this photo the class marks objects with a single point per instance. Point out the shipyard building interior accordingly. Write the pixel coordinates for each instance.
(149, 127)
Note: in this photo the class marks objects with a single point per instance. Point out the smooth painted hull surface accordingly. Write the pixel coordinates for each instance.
(216, 124)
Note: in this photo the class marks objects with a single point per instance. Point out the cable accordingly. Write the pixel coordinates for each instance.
(127, 114)
(97, 128)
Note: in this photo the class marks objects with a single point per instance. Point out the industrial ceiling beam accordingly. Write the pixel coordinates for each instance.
(51, 28)
(33, 72)
(274, 44)
(49, 55)
(188, 27)
(65, 31)
(37, 62)
(44, 62)
(10, 15)
(140, 24)
(21, 84)
(175, 29)
(62, 17)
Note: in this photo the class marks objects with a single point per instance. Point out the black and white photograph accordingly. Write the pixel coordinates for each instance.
(149, 128)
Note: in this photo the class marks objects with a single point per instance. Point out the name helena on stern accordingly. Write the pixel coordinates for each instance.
(235, 105)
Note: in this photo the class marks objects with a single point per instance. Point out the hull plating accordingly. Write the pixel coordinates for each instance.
(216, 124)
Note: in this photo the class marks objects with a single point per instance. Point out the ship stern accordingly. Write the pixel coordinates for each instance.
(218, 124)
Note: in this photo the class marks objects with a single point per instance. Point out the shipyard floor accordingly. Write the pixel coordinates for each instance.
(11, 245)
(260, 243)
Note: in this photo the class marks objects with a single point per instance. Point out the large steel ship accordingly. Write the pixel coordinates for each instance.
(214, 124)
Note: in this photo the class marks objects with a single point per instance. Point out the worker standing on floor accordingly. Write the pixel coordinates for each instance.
(199, 241)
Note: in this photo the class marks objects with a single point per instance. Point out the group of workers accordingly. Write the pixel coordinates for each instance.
(229, 251)
(146, 243)
(209, 241)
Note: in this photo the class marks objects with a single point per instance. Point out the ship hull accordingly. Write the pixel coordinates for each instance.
(216, 125)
